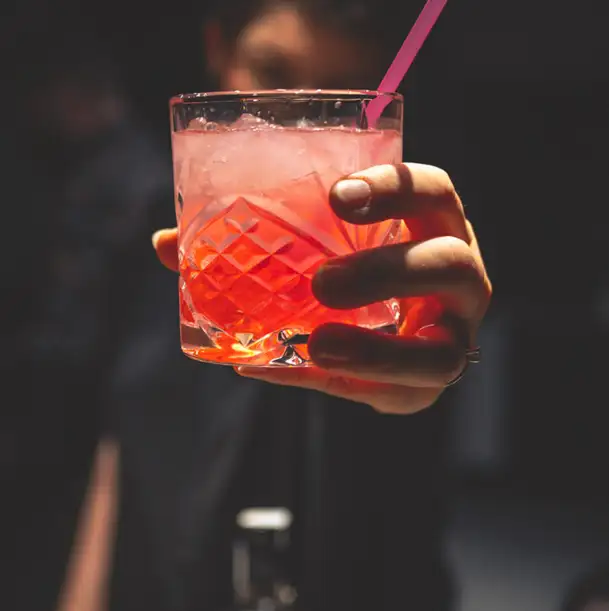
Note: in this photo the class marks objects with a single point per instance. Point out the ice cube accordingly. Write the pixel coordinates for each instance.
(253, 161)
(305, 123)
(249, 121)
(332, 153)
(191, 152)
(203, 125)
(197, 123)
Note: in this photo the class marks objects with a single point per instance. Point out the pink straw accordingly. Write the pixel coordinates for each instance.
(405, 57)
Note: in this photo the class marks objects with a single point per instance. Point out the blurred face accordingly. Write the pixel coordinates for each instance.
(73, 112)
(281, 49)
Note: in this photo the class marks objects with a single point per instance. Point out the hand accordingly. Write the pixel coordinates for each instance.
(438, 276)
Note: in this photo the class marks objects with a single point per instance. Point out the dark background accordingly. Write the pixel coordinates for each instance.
(512, 98)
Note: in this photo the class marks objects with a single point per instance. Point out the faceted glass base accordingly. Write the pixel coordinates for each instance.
(285, 348)
(245, 281)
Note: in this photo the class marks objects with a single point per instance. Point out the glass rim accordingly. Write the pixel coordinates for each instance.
(330, 95)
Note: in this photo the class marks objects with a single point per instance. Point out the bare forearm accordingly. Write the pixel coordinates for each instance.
(87, 577)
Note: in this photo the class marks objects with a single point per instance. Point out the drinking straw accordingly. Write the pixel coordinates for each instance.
(405, 57)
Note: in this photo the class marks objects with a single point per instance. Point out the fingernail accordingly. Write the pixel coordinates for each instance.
(330, 272)
(331, 348)
(353, 192)
(331, 283)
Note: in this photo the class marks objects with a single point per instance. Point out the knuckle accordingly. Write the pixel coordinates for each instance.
(486, 293)
(465, 274)
(462, 265)
(444, 185)
(425, 400)
(443, 190)
(456, 247)
(488, 285)
(443, 179)
(471, 230)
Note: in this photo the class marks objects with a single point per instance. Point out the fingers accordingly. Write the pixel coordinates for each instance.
(429, 359)
(441, 258)
(165, 242)
(393, 375)
(422, 195)
(445, 267)
(385, 398)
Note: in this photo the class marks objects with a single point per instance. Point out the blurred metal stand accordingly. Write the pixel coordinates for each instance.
(261, 578)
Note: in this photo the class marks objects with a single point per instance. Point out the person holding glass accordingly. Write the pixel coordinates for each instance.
(366, 483)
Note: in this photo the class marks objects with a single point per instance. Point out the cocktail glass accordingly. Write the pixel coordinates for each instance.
(252, 175)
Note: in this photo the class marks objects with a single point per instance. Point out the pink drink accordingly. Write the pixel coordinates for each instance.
(255, 225)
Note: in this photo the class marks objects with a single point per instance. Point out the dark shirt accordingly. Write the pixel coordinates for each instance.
(200, 443)
(368, 492)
